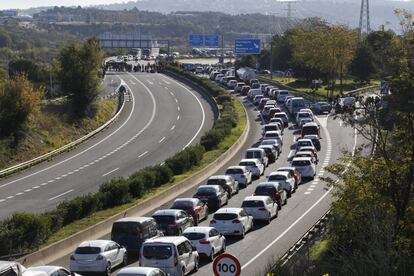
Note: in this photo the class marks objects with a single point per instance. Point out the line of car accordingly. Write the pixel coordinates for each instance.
(171, 242)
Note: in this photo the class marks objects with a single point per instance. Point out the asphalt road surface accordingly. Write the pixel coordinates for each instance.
(161, 117)
(267, 243)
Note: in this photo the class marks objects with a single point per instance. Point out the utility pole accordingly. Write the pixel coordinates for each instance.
(364, 21)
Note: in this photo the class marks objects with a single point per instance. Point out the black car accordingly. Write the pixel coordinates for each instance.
(213, 195)
(271, 152)
(172, 222)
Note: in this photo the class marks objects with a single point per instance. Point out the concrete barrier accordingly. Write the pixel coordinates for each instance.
(64, 247)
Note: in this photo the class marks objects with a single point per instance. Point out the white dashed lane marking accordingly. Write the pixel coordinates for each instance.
(142, 154)
(108, 173)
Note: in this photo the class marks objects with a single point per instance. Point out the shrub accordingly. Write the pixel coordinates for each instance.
(136, 185)
(114, 193)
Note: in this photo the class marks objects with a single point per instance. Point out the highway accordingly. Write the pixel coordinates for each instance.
(312, 199)
(161, 117)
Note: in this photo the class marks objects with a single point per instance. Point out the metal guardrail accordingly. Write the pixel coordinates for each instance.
(55, 152)
(363, 90)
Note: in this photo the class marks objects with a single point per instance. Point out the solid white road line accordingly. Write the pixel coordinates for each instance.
(108, 173)
(82, 152)
(62, 194)
(201, 106)
(150, 82)
(142, 154)
(162, 139)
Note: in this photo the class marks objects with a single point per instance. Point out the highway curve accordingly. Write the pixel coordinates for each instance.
(304, 208)
(161, 117)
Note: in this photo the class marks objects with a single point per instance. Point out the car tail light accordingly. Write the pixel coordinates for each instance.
(213, 221)
(277, 195)
(262, 209)
(236, 221)
(99, 257)
(72, 258)
(204, 241)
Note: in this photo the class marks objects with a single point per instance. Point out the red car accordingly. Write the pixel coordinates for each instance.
(192, 206)
(292, 172)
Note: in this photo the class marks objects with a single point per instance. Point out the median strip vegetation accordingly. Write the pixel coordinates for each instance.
(25, 232)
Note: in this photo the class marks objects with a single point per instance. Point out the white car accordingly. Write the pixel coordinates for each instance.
(257, 153)
(271, 127)
(303, 121)
(207, 240)
(305, 166)
(309, 111)
(302, 115)
(241, 174)
(300, 143)
(140, 271)
(281, 95)
(231, 84)
(273, 135)
(288, 182)
(232, 221)
(260, 207)
(174, 255)
(284, 117)
(98, 256)
(51, 270)
(254, 165)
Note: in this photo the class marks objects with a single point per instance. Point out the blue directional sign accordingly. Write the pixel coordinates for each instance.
(196, 40)
(211, 40)
(247, 47)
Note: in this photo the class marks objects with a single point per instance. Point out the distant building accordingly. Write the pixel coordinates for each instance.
(9, 13)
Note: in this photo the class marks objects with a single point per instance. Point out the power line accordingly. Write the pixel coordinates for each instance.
(364, 24)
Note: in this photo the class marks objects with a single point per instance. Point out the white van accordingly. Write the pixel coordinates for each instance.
(257, 153)
(173, 255)
(295, 105)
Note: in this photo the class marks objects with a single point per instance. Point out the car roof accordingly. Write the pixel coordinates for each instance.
(284, 113)
(311, 124)
(310, 148)
(194, 200)
(6, 264)
(279, 173)
(166, 212)
(301, 159)
(256, 198)
(311, 136)
(49, 269)
(285, 168)
(168, 239)
(134, 219)
(268, 183)
(304, 140)
(252, 149)
(198, 229)
(228, 210)
(237, 167)
(255, 160)
(216, 187)
(272, 131)
(95, 243)
(223, 176)
(133, 270)
(266, 146)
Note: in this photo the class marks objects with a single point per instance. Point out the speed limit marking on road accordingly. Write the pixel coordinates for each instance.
(226, 265)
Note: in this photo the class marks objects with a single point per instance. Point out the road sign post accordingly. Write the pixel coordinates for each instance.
(226, 265)
(203, 40)
(247, 46)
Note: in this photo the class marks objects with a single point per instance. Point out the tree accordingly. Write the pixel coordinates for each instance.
(5, 40)
(329, 49)
(29, 68)
(381, 45)
(18, 100)
(246, 61)
(281, 52)
(362, 66)
(79, 73)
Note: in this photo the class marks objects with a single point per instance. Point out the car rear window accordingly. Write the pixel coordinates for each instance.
(247, 164)
(264, 190)
(276, 178)
(182, 204)
(164, 219)
(252, 203)
(234, 171)
(88, 250)
(270, 128)
(300, 163)
(303, 144)
(225, 216)
(253, 154)
(194, 236)
(157, 251)
(216, 182)
(309, 130)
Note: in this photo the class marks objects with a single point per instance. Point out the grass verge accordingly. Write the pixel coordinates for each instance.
(208, 158)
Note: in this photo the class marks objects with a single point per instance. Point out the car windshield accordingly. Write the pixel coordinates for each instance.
(88, 250)
(253, 154)
(264, 190)
(182, 205)
(194, 236)
(227, 216)
(216, 182)
(252, 203)
(298, 103)
(157, 251)
(270, 128)
(304, 115)
(300, 163)
(164, 219)
(234, 171)
(277, 177)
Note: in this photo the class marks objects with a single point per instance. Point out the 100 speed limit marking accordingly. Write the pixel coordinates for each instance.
(226, 265)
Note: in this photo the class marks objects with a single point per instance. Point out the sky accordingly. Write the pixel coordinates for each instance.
(24, 4)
